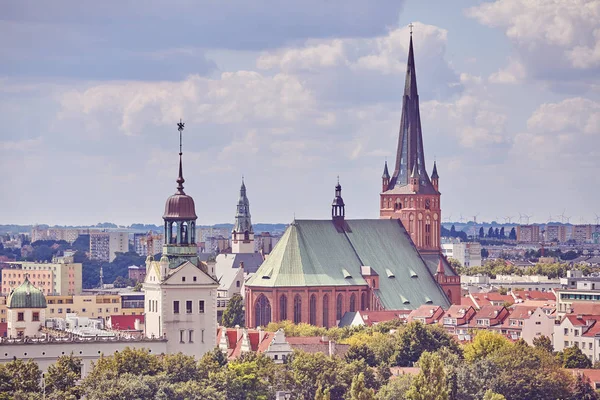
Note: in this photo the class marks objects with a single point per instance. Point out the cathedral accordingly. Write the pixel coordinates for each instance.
(180, 291)
(321, 269)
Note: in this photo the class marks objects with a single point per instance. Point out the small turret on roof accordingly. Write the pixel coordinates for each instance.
(386, 173)
(434, 173)
(440, 268)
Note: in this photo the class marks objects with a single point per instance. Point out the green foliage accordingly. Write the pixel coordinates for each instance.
(543, 343)
(358, 390)
(361, 352)
(582, 389)
(430, 382)
(489, 395)
(484, 344)
(417, 338)
(62, 376)
(234, 312)
(396, 388)
(19, 378)
(573, 357)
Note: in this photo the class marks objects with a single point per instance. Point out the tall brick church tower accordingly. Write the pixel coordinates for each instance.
(410, 195)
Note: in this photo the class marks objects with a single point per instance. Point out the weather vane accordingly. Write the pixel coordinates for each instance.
(410, 26)
(180, 126)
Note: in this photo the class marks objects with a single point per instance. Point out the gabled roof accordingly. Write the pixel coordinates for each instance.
(427, 312)
(533, 295)
(459, 311)
(189, 271)
(315, 253)
(521, 312)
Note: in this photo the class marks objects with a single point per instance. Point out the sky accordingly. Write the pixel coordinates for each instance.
(292, 95)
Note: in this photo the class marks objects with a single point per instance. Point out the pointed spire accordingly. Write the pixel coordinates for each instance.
(180, 180)
(386, 173)
(440, 268)
(410, 84)
(434, 173)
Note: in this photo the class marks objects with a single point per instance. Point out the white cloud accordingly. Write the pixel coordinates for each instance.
(551, 37)
(21, 145)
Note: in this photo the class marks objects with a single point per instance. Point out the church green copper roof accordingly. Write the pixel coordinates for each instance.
(26, 296)
(315, 253)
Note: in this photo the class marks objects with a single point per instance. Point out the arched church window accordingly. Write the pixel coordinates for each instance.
(326, 311)
(353, 303)
(363, 301)
(262, 311)
(339, 311)
(283, 307)
(313, 310)
(297, 309)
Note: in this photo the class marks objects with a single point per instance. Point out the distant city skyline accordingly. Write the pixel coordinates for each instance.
(292, 95)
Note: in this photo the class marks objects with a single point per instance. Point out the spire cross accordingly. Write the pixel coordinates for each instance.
(180, 126)
(411, 27)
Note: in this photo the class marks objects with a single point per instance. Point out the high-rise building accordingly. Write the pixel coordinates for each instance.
(180, 292)
(105, 245)
(528, 233)
(583, 233)
(60, 277)
(148, 244)
(242, 236)
(555, 233)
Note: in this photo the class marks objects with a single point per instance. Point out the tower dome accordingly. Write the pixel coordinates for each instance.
(26, 296)
(180, 206)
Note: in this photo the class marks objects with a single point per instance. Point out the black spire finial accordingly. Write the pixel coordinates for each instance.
(180, 180)
(411, 27)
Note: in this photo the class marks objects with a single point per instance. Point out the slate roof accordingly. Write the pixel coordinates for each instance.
(315, 253)
(26, 296)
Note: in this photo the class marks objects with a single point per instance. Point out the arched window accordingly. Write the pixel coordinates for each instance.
(297, 309)
(363, 301)
(313, 310)
(353, 303)
(398, 205)
(184, 233)
(326, 311)
(174, 232)
(339, 307)
(262, 311)
(246, 235)
(283, 307)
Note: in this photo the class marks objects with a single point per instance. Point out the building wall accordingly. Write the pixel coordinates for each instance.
(104, 245)
(27, 327)
(61, 277)
(537, 325)
(273, 295)
(46, 353)
(239, 244)
(528, 233)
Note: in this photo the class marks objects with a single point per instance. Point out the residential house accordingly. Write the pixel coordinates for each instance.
(427, 314)
(456, 321)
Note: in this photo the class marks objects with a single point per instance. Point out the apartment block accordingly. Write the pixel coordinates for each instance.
(148, 244)
(467, 253)
(528, 233)
(105, 245)
(556, 233)
(60, 277)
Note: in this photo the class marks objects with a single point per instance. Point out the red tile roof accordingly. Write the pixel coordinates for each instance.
(534, 295)
(521, 312)
(585, 308)
(592, 374)
(125, 322)
(467, 301)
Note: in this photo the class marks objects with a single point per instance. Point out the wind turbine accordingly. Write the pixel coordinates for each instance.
(597, 219)
(461, 219)
(508, 218)
(449, 218)
(475, 218)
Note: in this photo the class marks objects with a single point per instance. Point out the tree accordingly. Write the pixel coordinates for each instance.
(513, 234)
(485, 253)
(180, 367)
(430, 382)
(62, 377)
(23, 378)
(322, 394)
(234, 312)
(396, 388)
(417, 338)
(543, 343)
(361, 352)
(573, 357)
(582, 389)
(497, 233)
(358, 390)
(452, 231)
(490, 233)
(481, 233)
(502, 234)
(489, 395)
(484, 344)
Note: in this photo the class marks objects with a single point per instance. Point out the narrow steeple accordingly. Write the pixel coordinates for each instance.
(386, 173)
(410, 152)
(434, 173)
(243, 222)
(180, 180)
(338, 208)
(440, 268)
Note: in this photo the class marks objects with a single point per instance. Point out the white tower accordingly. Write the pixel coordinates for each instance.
(180, 293)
